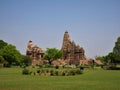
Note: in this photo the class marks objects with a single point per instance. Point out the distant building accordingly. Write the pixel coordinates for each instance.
(35, 53)
(71, 52)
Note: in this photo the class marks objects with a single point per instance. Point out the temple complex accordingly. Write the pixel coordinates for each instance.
(72, 53)
(35, 53)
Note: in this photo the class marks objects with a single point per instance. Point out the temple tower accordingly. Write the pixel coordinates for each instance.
(71, 52)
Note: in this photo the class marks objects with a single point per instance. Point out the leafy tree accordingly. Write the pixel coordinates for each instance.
(2, 44)
(26, 60)
(11, 55)
(113, 58)
(1, 59)
(116, 49)
(110, 58)
(52, 54)
(101, 58)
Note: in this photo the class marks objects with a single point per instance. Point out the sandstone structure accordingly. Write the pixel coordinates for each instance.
(72, 53)
(35, 53)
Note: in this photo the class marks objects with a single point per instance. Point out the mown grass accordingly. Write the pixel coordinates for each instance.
(12, 79)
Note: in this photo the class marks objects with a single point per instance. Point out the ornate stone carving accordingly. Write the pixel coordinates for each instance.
(35, 53)
(72, 52)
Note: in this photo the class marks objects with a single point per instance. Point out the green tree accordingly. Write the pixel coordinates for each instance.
(101, 58)
(11, 55)
(1, 59)
(52, 54)
(116, 49)
(2, 44)
(113, 58)
(26, 60)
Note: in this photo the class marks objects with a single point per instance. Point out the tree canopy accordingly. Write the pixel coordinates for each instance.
(116, 49)
(9, 54)
(26, 60)
(114, 56)
(2, 44)
(101, 58)
(52, 54)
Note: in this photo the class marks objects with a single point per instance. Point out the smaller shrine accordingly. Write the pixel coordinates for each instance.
(35, 53)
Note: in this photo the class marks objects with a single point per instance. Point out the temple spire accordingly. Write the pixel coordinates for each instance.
(71, 52)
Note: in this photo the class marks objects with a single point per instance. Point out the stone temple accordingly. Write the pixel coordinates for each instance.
(71, 52)
(35, 53)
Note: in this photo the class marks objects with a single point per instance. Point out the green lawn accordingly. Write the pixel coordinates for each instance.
(12, 79)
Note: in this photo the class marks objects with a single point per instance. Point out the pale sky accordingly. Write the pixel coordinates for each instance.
(93, 24)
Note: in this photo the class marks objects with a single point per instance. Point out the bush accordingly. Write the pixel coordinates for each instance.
(72, 72)
(42, 70)
(111, 68)
(47, 71)
(63, 66)
(47, 66)
(78, 71)
(81, 68)
(66, 73)
(52, 72)
(57, 67)
(40, 66)
(60, 73)
(25, 72)
(38, 71)
(56, 73)
(1, 65)
(63, 73)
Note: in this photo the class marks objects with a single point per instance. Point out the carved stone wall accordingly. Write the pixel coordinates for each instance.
(35, 53)
(72, 52)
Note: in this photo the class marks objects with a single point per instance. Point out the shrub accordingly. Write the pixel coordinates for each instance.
(47, 66)
(81, 68)
(57, 67)
(25, 72)
(72, 72)
(63, 66)
(60, 73)
(1, 65)
(77, 71)
(40, 66)
(56, 73)
(47, 71)
(111, 68)
(52, 72)
(33, 66)
(43, 70)
(63, 73)
(38, 71)
(66, 73)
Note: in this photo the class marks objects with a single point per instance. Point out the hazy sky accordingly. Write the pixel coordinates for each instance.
(93, 24)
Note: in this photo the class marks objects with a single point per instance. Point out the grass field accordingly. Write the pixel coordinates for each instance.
(12, 79)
